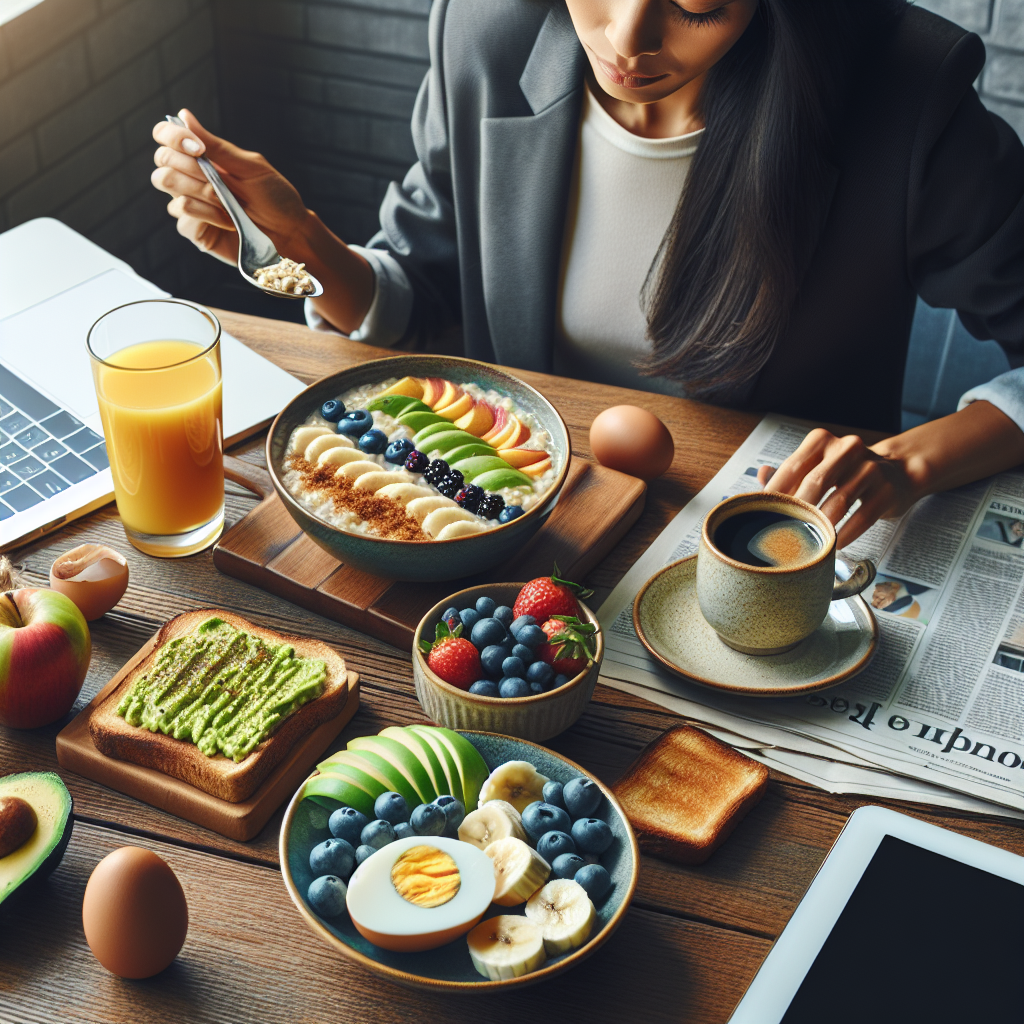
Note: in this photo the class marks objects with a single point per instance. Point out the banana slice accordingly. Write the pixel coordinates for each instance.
(517, 782)
(420, 508)
(305, 436)
(485, 825)
(506, 947)
(354, 470)
(404, 493)
(437, 520)
(375, 481)
(324, 443)
(564, 913)
(340, 457)
(460, 529)
(519, 871)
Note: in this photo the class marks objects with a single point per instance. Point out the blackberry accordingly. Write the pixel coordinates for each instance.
(491, 506)
(416, 462)
(436, 469)
(469, 497)
(449, 486)
(456, 477)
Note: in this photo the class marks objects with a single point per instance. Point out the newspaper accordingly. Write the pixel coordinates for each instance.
(942, 701)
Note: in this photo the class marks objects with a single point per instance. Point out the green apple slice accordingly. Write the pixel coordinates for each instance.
(498, 479)
(471, 766)
(403, 759)
(327, 789)
(478, 465)
(442, 426)
(418, 419)
(443, 754)
(383, 771)
(467, 451)
(423, 752)
(395, 405)
(357, 777)
(446, 440)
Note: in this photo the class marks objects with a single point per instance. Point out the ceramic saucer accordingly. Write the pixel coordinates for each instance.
(669, 623)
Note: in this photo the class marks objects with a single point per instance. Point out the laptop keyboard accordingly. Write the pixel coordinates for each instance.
(43, 448)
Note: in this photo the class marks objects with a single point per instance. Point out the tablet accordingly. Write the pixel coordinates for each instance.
(904, 921)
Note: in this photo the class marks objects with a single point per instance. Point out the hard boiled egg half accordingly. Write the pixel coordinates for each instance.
(420, 893)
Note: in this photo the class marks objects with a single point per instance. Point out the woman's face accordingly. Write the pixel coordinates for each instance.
(642, 51)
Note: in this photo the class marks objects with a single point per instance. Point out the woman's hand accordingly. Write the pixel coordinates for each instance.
(267, 196)
(890, 476)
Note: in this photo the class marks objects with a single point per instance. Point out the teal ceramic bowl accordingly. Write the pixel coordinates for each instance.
(423, 561)
(449, 967)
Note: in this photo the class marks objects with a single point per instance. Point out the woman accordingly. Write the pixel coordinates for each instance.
(740, 198)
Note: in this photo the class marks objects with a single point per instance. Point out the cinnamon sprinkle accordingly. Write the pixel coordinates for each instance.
(386, 517)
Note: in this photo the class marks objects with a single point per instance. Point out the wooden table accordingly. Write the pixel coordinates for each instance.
(687, 948)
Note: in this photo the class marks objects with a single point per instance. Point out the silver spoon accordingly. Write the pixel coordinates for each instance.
(255, 249)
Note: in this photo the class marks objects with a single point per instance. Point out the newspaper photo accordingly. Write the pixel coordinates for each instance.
(941, 704)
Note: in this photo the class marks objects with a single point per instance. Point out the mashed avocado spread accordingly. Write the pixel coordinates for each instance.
(222, 689)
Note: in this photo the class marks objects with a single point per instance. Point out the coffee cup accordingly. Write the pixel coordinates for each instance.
(766, 571)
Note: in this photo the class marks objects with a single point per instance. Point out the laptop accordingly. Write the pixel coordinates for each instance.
(53, 460)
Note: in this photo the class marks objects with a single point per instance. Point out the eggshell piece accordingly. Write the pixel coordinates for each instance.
(93, 576)
(632, 440)
(134, 913)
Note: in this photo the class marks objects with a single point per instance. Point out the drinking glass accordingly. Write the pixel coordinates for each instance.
(156, 367)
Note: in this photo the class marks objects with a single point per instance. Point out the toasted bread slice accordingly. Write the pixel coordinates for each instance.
(686, 792)
(219, 776)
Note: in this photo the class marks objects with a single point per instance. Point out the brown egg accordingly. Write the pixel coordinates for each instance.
(94, 576)
(631, 440)
(134, 913)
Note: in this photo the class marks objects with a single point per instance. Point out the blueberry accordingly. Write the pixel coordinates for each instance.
(333, 857)
(552, 793)
(451, 613)
(541, 672)
(373, 442)
(391, 807)
(487, 632)
(504, 615)
(346, 823)
(355, 423)
(491, 506)
(416, 461)
(582, 797)
(560, 680)
(514, 687)
(595, 879)
(592, 835)
(326, 895)
(485, 688)
(524, 654)
(491, 658)
(403, 830)
(513, 667)
(332, 410)
(428, 820)
(485, 606)
(540, 817)
(364, 851)
(566, 865)
(536, 689)
(517, 624)
(469, 618)
(378, 834)
(510, 512)
(454, 810)
(532, 636)
(398, 451)
(553, 844)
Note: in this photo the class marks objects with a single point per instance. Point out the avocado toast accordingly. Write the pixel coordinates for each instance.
(219, 702)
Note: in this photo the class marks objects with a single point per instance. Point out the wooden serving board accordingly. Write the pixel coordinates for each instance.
(268, 549)
(242, 821)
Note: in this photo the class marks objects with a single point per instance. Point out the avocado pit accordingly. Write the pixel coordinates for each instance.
(17, 823)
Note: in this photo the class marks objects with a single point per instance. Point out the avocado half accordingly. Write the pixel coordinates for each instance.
(43, 850)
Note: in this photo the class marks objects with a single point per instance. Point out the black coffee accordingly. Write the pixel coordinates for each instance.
(765, 538)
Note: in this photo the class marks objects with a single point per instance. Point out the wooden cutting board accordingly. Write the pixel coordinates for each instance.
(268, 549)
(242, 821)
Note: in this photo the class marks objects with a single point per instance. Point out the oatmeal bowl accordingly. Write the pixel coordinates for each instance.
(419, 468)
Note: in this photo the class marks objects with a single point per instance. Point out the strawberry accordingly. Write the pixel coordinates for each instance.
(569, 649)
(547, 596)
(452, 656)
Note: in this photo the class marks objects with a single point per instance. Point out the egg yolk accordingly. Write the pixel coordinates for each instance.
(426, 876)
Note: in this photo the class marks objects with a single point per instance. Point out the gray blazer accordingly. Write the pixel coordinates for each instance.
(478, 223)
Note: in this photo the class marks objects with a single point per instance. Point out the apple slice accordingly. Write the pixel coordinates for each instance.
(410, 386)
(449, 394)
(433, 389)
(423, 752)
(537, 468)
(462, 405)
(500, 420)
(507, 432)
(520, 457)
(519, 437)
(478, 420)
(402, 758)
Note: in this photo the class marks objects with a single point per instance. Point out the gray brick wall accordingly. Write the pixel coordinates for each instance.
(81, 84)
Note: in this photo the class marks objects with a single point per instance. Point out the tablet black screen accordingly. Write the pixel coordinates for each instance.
(922, 938)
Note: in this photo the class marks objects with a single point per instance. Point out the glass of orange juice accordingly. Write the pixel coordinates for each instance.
(156, 366)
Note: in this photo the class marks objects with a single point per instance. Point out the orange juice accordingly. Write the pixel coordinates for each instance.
(160, 402)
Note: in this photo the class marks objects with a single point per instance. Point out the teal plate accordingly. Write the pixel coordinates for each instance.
(449, 967)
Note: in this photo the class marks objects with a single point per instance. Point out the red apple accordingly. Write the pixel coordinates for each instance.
(44, 654)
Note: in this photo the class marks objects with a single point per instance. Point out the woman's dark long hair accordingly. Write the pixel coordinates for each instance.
(719, 294)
